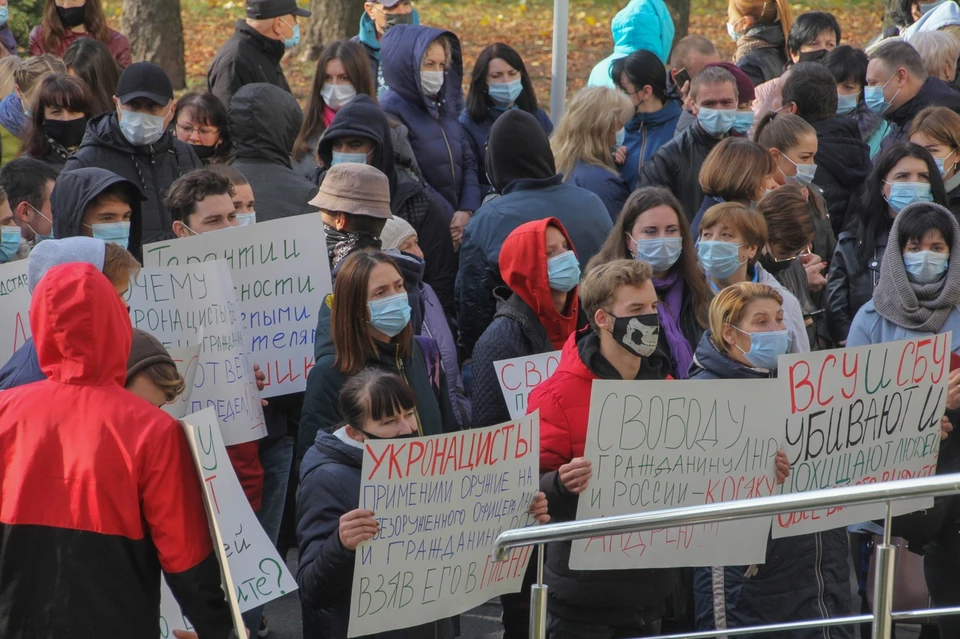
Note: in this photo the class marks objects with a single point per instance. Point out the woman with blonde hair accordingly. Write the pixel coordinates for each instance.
(587, 144)
(761, 29)
(16, 108)
(939, 51)
(937, 129)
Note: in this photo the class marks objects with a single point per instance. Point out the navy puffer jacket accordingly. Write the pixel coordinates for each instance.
(803, 577)
(438, 141)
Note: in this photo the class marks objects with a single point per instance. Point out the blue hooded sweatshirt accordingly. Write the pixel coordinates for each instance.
(371, 45)
(646, 133)
(642, 24)
(438, 141)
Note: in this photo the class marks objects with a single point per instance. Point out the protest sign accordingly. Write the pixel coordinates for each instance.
(196, 304)
(441, 501)
(666, 444)
(281, 279)
(14, 308)
(520, 375)
(187, 359)
(860, 416)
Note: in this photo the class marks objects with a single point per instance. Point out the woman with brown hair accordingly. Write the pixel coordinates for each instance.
(16, 108)
(761, 30)
(201, 121)
(653, 228)
(91, 61)
(937, 129)
(736, 170)
(64, 21)
(366, 322)
(59, 119)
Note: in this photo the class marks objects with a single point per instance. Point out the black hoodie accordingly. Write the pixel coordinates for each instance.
(934, 92)
(843, 164)
(74, 191)
(522, 150)
(264, 122)
(152, 168)
(409, 200)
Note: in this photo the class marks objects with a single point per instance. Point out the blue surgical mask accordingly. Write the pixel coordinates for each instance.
(743, 121)
(348, 158)
(246, 219)
(717, 121)
(875, 99)
(9, 242)
(804, 176)
(732, 32)
(293, 41)
(942, 163)
(390, 315)
(720, 259)
(504, 94)
(621, 136)
(925, 267)
(766, 347)
(660, 253)
(37, 236)
(113, 232)
(141, 129)
(846, 104)
(905, 193)
(563, 271)
(4, 14)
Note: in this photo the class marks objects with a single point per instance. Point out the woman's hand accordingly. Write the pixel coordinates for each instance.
(457, 224)
(814, 267)
(261, 378)
(575, 475)
(538, 508)
(357, 526)
(620, 156)
(783, 467)
(945, 427)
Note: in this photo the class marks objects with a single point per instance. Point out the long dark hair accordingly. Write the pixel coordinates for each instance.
(688, 266)
(873, 215)
(374, 394)
(642, 68)
(91, 61)
(55, 90)
(478, 101)
(207, 108)
(54, 30)
(357, 66)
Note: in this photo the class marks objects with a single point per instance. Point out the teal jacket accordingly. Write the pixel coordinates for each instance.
(642, 24)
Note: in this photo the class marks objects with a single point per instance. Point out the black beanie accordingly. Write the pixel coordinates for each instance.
(518, 148)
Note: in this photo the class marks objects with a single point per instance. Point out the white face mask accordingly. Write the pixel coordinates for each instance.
(337, 95)
(246, 219)
(431, 82)
(142, 129)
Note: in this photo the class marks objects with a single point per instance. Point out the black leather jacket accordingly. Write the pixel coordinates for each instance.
(848, 285)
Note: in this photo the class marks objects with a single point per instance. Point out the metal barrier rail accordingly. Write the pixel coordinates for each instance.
(888, 492)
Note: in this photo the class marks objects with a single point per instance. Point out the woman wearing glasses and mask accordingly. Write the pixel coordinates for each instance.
(201, 121)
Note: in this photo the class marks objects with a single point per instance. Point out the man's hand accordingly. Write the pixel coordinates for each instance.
(814, 267)
(357, 526)
(261, 378)
(783, 467)
(457, 224)
(538, 508)
(945, 427)
(575, 475)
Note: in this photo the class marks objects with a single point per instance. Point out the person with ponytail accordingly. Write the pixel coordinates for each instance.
(761, 29)
(62, 25)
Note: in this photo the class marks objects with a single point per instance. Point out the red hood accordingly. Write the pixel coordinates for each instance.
(523, 267)
(80, 327)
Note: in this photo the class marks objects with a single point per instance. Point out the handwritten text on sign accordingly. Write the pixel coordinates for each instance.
(660, 445)
(14, 308)
(520, 375)
(281, 280)
(860, 416)
(196, 304)
(441, 501)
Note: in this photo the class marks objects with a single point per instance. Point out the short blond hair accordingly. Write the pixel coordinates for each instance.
(731, 303)
(937, 49)
(600, 285)
(583, 134)
(748, 222)
(119, 265)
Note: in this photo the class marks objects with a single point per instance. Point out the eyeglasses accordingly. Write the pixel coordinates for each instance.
(203, 132)
(804, 253)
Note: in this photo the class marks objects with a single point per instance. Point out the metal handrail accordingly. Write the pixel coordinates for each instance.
(846, 496)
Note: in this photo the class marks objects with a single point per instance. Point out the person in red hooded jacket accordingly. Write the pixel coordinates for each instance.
(537, 310)
(99, 488)
(621, 305)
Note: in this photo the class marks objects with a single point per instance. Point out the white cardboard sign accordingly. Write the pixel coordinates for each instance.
(14, 308)
(520, 375)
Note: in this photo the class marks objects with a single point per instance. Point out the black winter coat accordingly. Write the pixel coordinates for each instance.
(848, 286)
(676, 166)
(762, 65)
(843, 164)
(247, 57)
(329, 488)
(953, 201)
(151, 168)
(934, 92)
(515, 332)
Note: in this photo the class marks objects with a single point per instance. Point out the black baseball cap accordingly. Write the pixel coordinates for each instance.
(144, 80)
(265, 9)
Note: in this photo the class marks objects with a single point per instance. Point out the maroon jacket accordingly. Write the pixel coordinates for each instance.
(117, 43)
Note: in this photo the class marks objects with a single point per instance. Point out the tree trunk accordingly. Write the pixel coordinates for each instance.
(331, 20)
(680, 10)
(156, 35)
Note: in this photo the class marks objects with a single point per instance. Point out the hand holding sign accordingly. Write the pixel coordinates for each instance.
(539, 509)
(783, 467)
(357, 526)
(575, 475)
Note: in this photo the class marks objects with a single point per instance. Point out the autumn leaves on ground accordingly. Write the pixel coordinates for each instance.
(526, 25)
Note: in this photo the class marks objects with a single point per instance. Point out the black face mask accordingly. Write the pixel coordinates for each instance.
(813, 56)
(204, 152)
(772, 266)
(72, 17)
(67, 133)
(638, 334)
(391, 20)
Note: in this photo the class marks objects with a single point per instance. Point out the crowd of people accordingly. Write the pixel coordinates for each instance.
(686, 218)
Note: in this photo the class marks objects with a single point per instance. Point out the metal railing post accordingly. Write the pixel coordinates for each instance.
(883, 586)
(538, 601)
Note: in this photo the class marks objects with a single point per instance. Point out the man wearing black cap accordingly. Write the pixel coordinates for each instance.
(135, 143)
(253, 52)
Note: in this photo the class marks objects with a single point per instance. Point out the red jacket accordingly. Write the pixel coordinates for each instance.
(117, 43)
(98, 490)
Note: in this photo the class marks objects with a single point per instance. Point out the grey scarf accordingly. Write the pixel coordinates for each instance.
(918, 307)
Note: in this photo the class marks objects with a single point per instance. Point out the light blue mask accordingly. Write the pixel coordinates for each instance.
(348, 158)
(720, 259)
(504, 94)
(563, 271)
(743, 121)
(905, 193)
(246, 219)
(4, 14)
(113, 232)
(846, 104)
(390, 315)
(942, 162)
(37, 236)
(925, 267)
(290, 43)
(804, 176)
(141, 129)
(621, 137)
(9, 242)
(765, 348)
(875, 99)
(660, 253)
(717, 121)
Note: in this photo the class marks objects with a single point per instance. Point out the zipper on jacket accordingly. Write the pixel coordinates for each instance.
(643, 146)
(403, 376)
(453, 170)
